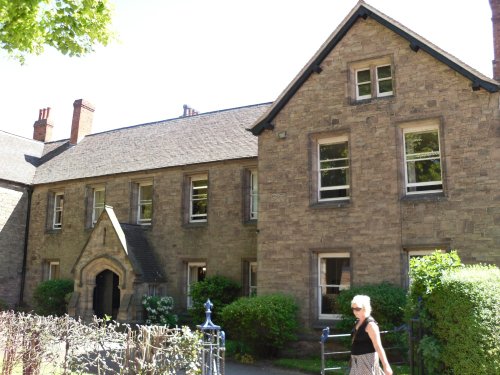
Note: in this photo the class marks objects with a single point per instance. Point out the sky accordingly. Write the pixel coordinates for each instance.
(211, 55)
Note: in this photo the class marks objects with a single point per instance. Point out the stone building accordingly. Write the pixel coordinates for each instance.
(382, 148)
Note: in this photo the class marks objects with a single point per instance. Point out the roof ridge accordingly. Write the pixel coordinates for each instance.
(20, 136)
(179, 118)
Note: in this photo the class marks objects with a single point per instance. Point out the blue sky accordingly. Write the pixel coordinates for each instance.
(211, 55)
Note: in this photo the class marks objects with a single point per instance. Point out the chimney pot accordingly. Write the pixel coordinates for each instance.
(42, 128)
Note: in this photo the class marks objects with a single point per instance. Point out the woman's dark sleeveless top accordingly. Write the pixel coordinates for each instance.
(362, 344)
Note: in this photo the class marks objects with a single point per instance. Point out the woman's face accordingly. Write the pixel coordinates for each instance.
(358, 311)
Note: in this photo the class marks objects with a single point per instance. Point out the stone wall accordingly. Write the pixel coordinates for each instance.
(224, 242)
(379, 224)
(13, 212)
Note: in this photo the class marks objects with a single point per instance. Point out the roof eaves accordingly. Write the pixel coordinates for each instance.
(314, 65)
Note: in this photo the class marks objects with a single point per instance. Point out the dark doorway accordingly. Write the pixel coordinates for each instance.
(106, 295)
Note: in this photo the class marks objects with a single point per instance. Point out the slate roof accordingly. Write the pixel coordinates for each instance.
(141, 254)
(416, 42)
(202, 138)
(19, 158)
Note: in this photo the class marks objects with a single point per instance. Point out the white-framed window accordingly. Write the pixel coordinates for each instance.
(422, 159)
(196, 271)
(363, 84)
(333, 169)
(145, 203)
(334, 275)
(98, 201)
(252, 279)
(51, 269)
(254, 195)
(57, 216)
(198, 199)
(373, 80)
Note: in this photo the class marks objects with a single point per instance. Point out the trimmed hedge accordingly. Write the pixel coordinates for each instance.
(219, 289)
(263, 323)
(49, 297)
(466, 306)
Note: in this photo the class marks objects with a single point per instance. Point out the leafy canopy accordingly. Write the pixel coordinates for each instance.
(72, 27)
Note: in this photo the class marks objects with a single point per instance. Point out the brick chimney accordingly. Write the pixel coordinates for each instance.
(83, 114)
(42, 128)
(495, 11)
(188, 111)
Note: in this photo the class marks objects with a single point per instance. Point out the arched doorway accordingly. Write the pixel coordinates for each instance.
(106, 299)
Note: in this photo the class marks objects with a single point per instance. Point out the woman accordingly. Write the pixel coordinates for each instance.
(366, 347)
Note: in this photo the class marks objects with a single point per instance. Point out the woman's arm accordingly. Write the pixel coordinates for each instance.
(374, 333)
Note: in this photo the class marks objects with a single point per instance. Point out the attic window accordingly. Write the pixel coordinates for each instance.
(372, 79)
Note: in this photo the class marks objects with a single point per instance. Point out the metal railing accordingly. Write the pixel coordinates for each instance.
(325, 337)
(214, 341)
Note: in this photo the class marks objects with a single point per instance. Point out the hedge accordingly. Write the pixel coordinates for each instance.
(263, 323)
(49, 297)
(466, 306)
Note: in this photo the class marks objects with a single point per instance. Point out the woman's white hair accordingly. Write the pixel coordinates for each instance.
(364, 302)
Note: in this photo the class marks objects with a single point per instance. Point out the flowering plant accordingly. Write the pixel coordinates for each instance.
(159, 310)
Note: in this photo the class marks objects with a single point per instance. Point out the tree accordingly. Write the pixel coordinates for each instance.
(73, 27)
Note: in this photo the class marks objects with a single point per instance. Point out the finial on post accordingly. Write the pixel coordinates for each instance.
(208, 321)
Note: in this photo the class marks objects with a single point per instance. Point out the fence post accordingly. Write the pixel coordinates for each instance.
(214, 341)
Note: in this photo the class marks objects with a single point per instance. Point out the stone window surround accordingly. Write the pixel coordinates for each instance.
(134, 200)
(51, 226)
(371, 64)
(249, 194)
(314, 139)
(90, 220)
(438, 123)
(188, 263)
(187, 188)
(316, 319)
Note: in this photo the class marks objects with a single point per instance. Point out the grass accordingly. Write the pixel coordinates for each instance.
(313, 365)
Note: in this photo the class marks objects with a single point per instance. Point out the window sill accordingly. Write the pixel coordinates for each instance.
(331, 204)
(430, 197)
(250, 222)
(355, 101)
(322, 323)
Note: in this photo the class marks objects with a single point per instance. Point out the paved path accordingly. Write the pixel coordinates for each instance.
(234, 368)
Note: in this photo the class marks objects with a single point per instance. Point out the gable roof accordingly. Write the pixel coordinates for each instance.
(416, 42)
(19, 158)
(135, 246)
(202, 138)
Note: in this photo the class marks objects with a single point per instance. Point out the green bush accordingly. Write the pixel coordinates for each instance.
(159, 310)
(219, 289)
(466, 306)
(387, 300)
(49, 297)
(263, 323)
(3, 305)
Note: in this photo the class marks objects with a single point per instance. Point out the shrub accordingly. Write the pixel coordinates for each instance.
(3, 305)
(219, 289)
(49, 297)
(263, 323)
(466, 306)
(387, 300)
(159, 310)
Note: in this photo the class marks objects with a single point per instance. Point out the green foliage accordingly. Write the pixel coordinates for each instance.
(3, 305)
(159, 310)
(219, 289)
(425, 275)
(49, 297)
(466, 307)
(263, 323)
(72, 27)
(430, 349)
(387, 302)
